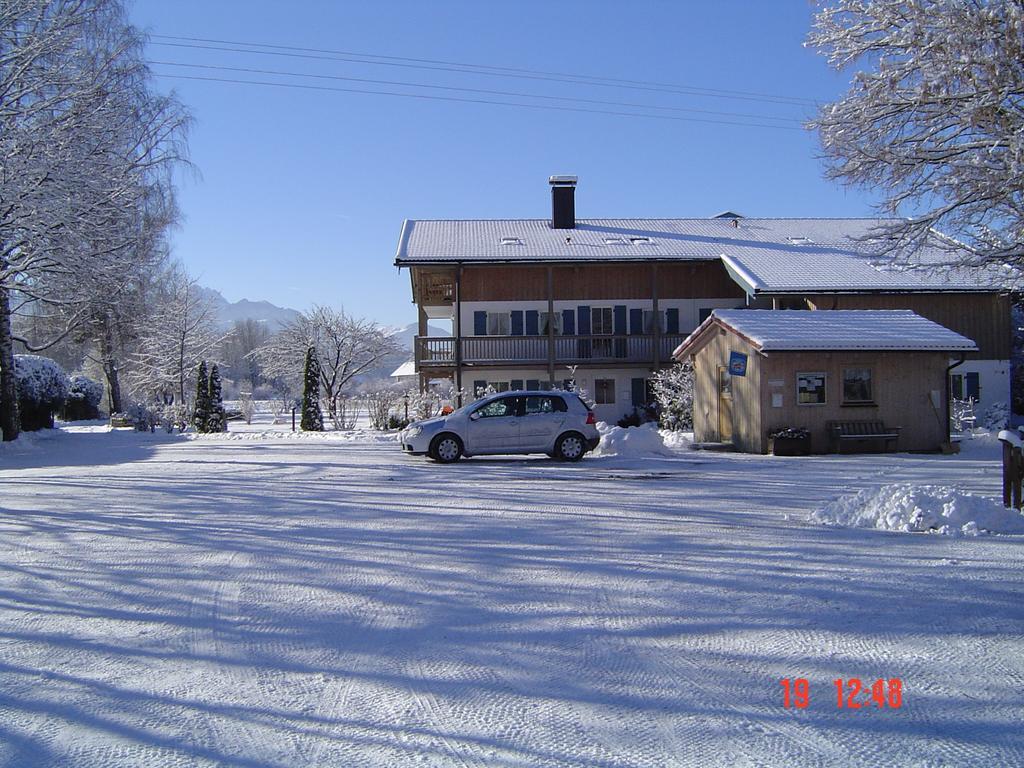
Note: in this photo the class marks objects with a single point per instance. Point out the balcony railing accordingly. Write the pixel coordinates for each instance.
(533, 350)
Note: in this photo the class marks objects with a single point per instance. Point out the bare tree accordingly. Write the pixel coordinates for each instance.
(180, 332)
(346, 347)
(934, 120)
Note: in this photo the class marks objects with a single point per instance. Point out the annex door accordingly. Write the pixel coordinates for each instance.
(724, 404)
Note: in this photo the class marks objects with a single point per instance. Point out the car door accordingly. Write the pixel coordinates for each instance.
(542, 421)
(494, 427)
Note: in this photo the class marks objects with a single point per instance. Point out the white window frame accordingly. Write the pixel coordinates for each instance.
(598, 383)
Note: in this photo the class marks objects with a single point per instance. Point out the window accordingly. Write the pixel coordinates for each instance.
(640, 240)
(545, 318)
(857, 385)
(545, 405)
(704, 313)
(965, 386)
(604, 391)
(810, 389)
(498, 323)
(601, 321)
(511, 241)
(505, 406)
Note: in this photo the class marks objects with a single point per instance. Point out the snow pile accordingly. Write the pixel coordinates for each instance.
(347, 436)
(644, 440)
(910, 508)
(679, 441)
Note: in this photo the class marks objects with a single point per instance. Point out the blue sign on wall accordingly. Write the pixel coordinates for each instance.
(737, 364)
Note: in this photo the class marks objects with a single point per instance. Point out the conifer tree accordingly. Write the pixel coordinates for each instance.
(201, 414)
(312, 418)
(215, 422)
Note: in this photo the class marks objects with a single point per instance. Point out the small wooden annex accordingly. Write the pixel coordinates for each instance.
(760, 371)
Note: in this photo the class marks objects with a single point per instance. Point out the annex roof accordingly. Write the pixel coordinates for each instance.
(830, 330)
(764, 256)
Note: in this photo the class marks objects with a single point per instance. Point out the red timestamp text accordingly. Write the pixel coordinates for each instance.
(850, 693)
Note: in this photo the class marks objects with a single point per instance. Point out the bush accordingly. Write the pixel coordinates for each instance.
(42, 390)
(997, 417)
(673, 389)
(635, 419)
(83, 402)
(397, 422)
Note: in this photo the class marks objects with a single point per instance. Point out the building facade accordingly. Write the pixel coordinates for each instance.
(602, 303)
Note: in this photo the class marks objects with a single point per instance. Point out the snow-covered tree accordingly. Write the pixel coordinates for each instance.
(934, 119)
(673, 391)
(312, 418)
(346, 347)
(216, 421)
(83, 400)
(174, 338)
(42, 390)
(83, 139)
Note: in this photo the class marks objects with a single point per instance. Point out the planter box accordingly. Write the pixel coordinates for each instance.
(789, 446)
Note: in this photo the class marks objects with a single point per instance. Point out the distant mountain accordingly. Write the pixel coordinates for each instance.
(406, 333)
(261, 311)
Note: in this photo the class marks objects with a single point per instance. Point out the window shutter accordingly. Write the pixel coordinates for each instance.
(517, 322)
(516, 385)
(639, 392)
(478, 388)
(973, 381)
(672, 320)
(583, 313)
(479, 323)
(532, 322)
(568, 322)
(533, 384)
(619, 320)
(636, 322)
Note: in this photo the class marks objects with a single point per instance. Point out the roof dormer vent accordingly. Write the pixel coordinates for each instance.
(512, 241)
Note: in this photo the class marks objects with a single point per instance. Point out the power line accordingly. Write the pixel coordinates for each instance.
(429, 97)
(484, 91)
(477, 69)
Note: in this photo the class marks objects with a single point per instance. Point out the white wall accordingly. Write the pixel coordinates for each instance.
(994, 380)
(689, 309)
(584, 380)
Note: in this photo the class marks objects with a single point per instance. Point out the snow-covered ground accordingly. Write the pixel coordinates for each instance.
(283, 601)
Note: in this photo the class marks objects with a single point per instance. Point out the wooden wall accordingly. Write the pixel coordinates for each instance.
(683, 280)
(982, 317)
(901, 385)
(745, 393)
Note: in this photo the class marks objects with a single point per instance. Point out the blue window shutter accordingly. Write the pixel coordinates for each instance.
(517, 322)
(568, 322)
(639, 389)
(583, 313)
(516, 385)
(672, 320)
(636, 322)
(532, 322)
(619, 320)
(973, 381)
(480, 324)
(478, 388)
(533, 384)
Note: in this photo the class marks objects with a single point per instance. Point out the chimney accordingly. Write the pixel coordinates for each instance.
(563, 202)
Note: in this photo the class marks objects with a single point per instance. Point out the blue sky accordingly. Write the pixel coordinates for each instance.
(301, 193)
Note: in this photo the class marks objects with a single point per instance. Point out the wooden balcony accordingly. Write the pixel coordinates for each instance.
(439, 352)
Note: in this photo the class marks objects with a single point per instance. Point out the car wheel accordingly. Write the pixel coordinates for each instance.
(446, 448)
(570, 446)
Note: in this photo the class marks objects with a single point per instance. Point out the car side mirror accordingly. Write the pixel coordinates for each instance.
(475, 416)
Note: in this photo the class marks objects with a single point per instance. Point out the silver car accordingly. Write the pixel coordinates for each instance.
(559, 424)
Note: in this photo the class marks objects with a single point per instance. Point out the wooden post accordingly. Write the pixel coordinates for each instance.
(457, 328)
(1013, 474)
(657, 319)
(551, 326)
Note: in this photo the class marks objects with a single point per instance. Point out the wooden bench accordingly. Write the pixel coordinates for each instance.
(838, 431)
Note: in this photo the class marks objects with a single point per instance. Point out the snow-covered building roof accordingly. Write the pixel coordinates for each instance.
(850, 329)
(408, 368)
(762, 255)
